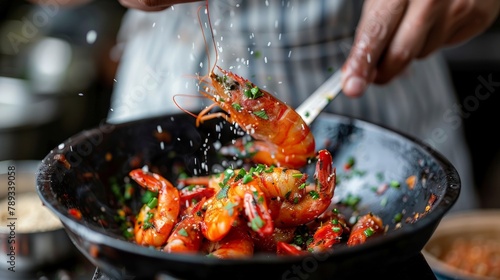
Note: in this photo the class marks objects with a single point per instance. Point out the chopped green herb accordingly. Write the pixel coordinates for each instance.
(241, 173)
(380, 176)
(302, 186)
(395, 184)
(183, 232)
(247, 178)
(349, 163)
(128, 233)
(383, 202)
(256, 223)
(358, 172)
(352, 200)
(237, 107)
(368, 232)
(270, 169)
(336, 229)
(261, 114)
(260, 168)
(398, 217)
(297, 175)
(253, 92)
(148, 195)
(314, 194)
(147, 222)
(152, 203)
(230, 208)
(223, 192)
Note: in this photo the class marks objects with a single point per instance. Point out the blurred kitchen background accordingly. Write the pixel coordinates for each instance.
(57, 67)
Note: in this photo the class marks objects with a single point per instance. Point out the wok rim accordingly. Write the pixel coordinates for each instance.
(93, 234)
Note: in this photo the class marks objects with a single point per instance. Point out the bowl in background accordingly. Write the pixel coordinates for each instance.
(31, 236)
(466, 245)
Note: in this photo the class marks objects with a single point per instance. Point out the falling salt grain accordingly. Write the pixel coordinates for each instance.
(162, 145)
(269, 44)
(369, 58)
(289, 53)
(80, 94)
(154, 24)
(61, 146)
(159, 129)
(91, 36)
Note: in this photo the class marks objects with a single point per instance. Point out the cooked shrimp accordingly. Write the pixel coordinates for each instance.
(237, 243)
(282, 137)
(156, 219)
(287, 197)
(186, 236)
(236, 196)
(322, 234)
(306, 206)
(329, 233)
(367, 226)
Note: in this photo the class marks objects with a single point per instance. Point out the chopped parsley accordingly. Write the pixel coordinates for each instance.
(237, 107)
(261, 114)
(183, 232)
(253, 92)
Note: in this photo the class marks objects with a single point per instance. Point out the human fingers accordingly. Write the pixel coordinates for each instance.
(377, 24)
(470, 18)
(151, 5)
(421, 18)
(429, 25)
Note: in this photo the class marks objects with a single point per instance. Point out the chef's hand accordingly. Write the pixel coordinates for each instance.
(152, 5)
(391, 33)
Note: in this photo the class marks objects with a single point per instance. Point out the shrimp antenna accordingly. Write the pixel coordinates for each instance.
(211, 35)
(180, 107)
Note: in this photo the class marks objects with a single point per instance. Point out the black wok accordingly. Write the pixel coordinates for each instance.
(76, 175)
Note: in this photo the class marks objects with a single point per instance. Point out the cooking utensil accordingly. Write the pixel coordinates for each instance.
(75, 178)
(320, 98)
